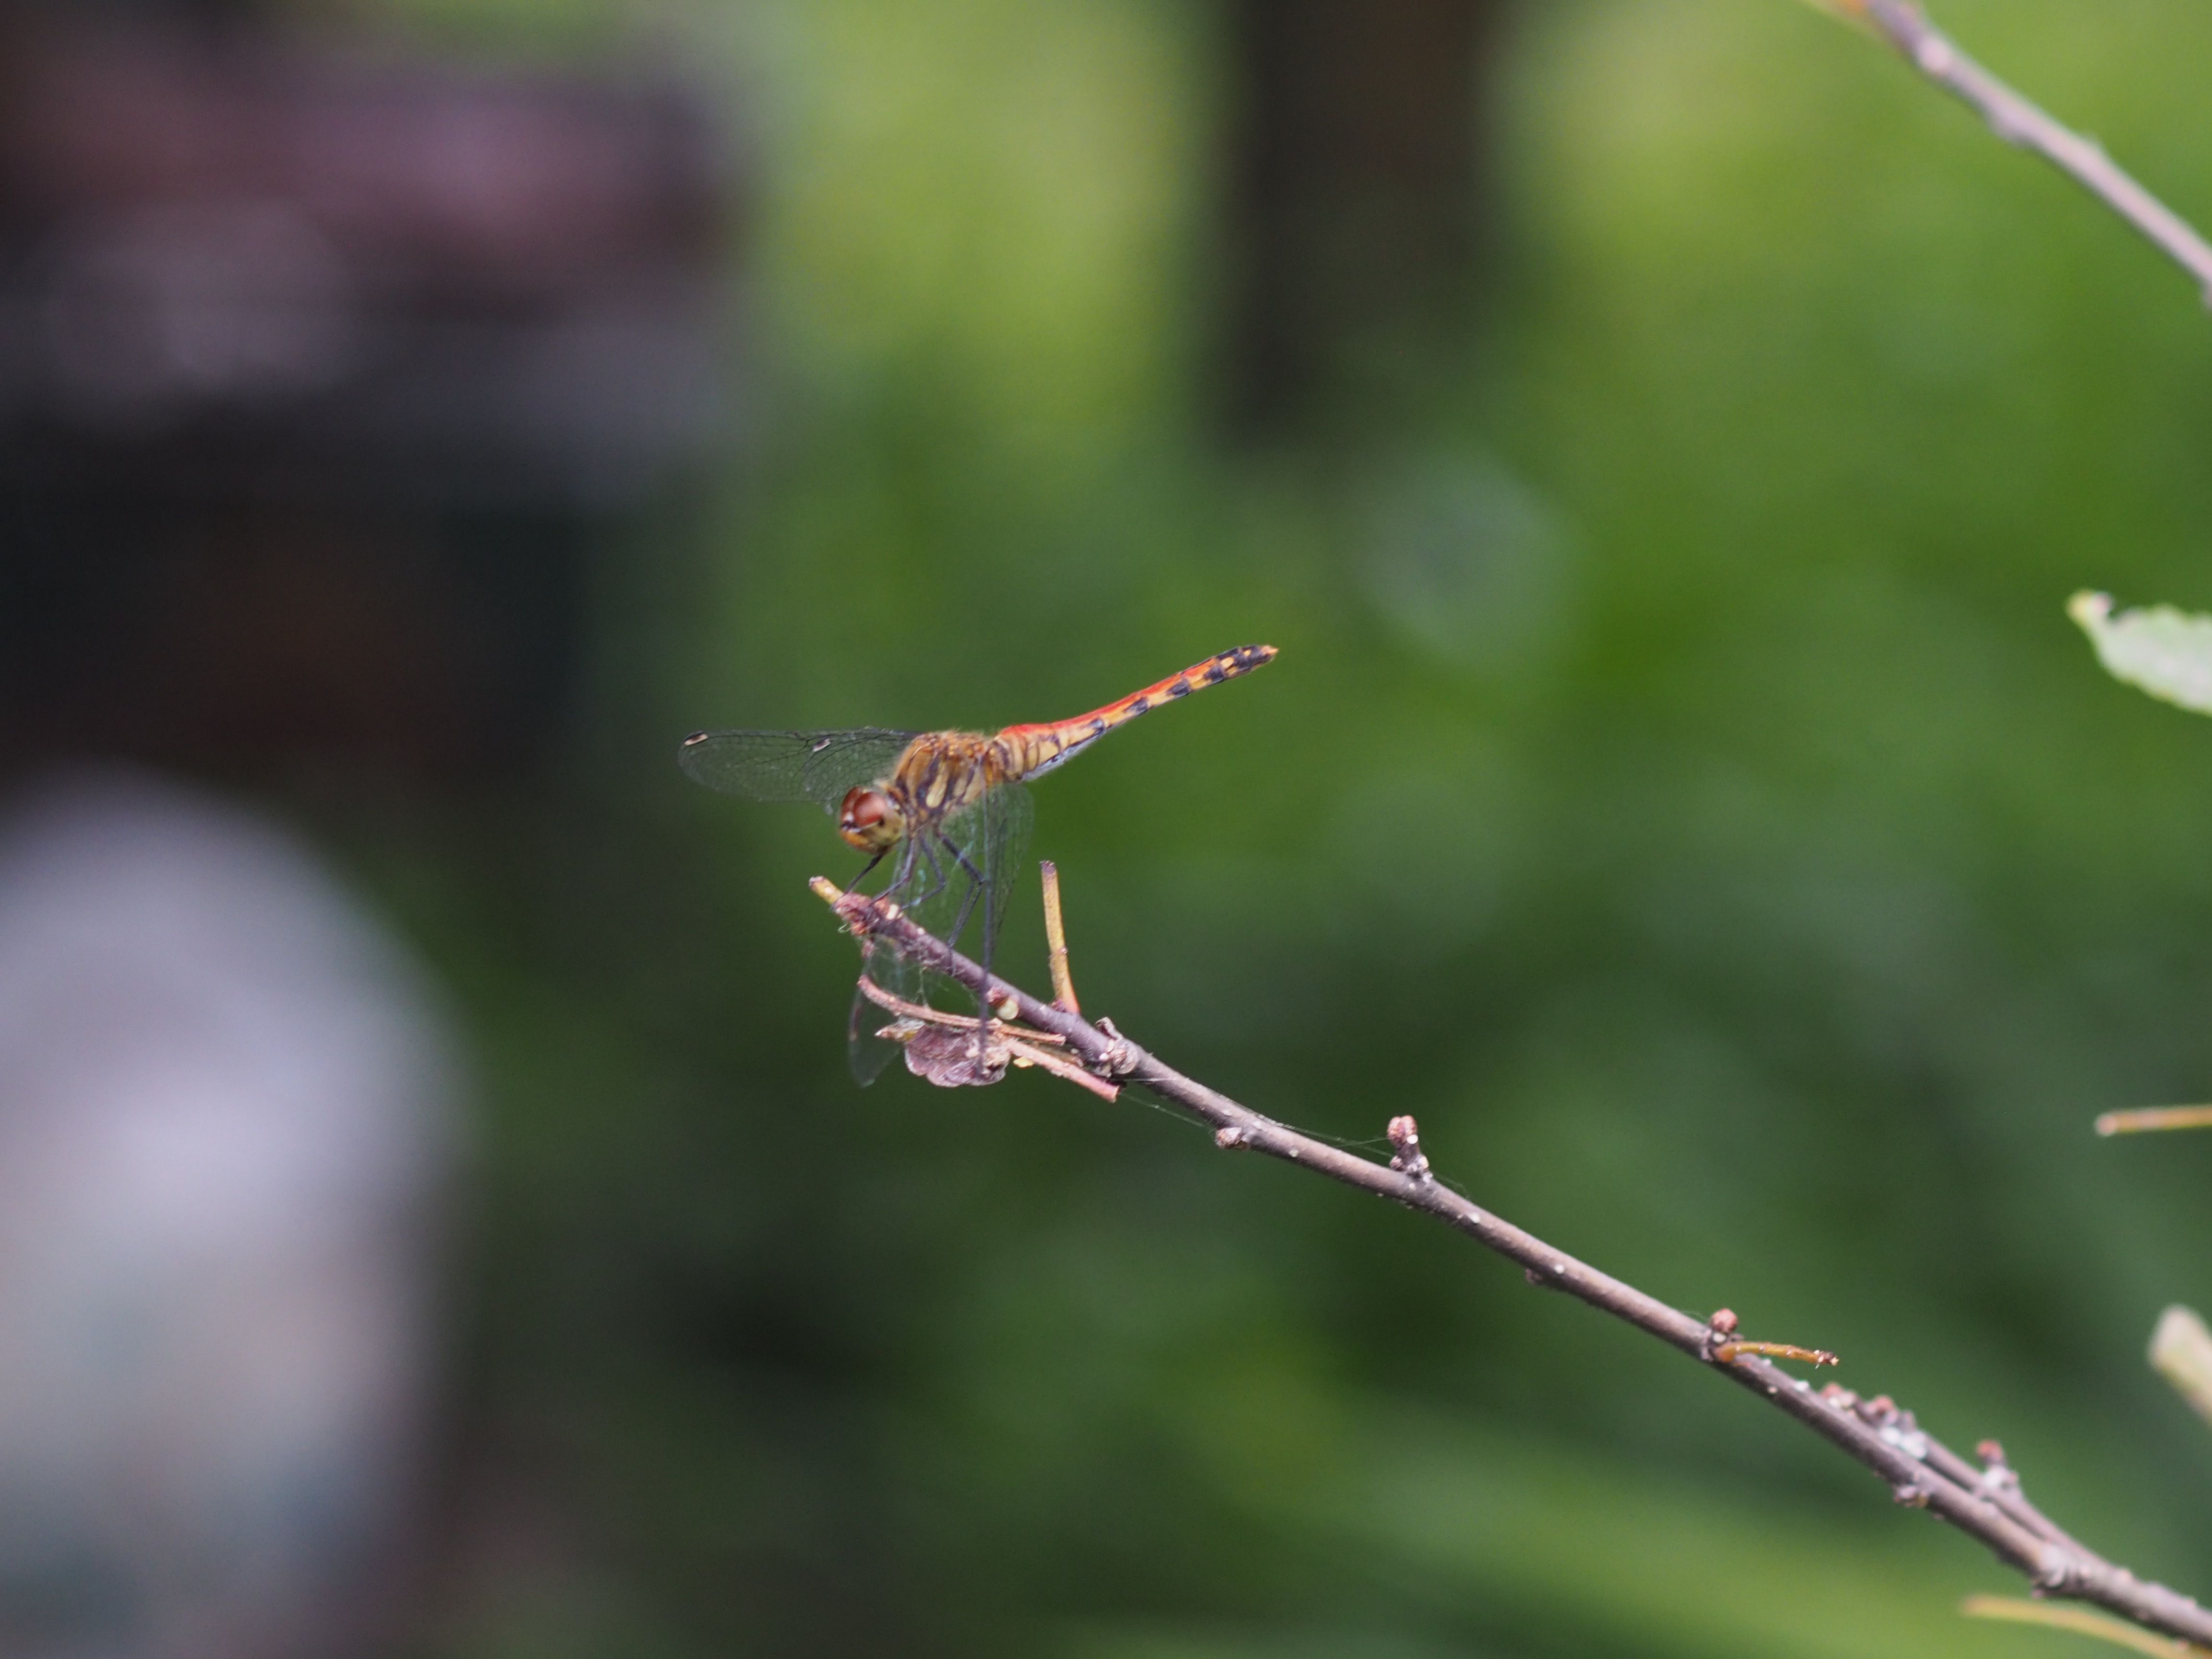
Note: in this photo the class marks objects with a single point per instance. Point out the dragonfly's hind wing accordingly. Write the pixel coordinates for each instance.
(985, 843)
(815, 766)
(1013, 818)
(865, 1052)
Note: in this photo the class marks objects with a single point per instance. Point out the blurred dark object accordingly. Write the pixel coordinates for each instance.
(319, 376)
(1355, 192)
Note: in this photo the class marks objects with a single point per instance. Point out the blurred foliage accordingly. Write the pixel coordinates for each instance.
(1680, 786)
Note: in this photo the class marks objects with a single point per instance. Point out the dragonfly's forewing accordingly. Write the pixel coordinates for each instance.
(815, 766)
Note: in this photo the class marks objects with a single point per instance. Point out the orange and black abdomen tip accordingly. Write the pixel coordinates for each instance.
(1243, 661)
(1226, 666)
(1223, 665)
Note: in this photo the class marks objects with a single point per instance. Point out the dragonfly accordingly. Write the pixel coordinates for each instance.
(944, 811)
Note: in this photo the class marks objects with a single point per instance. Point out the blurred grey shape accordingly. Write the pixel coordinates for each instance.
(226, 1111)
(153, 309)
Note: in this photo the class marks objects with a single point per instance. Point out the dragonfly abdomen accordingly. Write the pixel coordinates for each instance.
(1033, 749)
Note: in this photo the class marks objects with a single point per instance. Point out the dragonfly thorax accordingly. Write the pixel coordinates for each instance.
(939, 774)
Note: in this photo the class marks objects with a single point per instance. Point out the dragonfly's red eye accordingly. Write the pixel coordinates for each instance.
(870, 820)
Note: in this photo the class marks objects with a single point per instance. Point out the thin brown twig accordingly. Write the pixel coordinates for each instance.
(2082, 1622)
(2142, 1120)
(1985, 1503)
(891, 1003)
(1726, 1351)
(2022, 123)
(1056, 940)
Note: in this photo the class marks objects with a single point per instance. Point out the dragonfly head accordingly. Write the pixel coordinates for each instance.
(870, 820)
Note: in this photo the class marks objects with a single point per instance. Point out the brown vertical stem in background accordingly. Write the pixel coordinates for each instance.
(1354, 191)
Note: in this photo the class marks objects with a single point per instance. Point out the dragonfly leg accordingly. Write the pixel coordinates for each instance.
(976, 889)
(968, 900)
(974, 874)
(924, 851)
(918, 853)
(967, 909)
(908, 869)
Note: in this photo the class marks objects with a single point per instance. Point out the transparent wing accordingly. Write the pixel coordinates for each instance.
(990, 838)
(815, 766)
(865, 1052)
(980, 853)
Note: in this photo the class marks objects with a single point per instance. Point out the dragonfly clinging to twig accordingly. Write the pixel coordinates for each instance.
(946, 809)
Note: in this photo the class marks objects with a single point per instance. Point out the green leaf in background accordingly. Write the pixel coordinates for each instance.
(2181, 1352)
(2168, 653)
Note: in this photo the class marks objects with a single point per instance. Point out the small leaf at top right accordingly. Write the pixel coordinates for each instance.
(2166, 651)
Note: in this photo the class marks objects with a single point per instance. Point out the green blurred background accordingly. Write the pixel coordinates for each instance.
(1680, 786)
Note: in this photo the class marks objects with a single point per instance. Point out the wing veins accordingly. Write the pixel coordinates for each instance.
(815, 766)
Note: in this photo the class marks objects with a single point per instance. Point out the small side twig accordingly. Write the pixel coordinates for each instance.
(966, 1064)
(2022, 123)
(2082, 1622)
(1985, 1503)
(1056, 940)
(2145, 1120)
